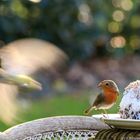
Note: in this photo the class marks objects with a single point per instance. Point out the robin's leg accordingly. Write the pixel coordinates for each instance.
(98, 111)
(105, 115)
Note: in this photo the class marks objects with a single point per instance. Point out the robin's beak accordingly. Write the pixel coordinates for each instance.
(99, 85)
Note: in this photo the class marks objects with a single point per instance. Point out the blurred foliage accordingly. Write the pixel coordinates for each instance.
(82, 28)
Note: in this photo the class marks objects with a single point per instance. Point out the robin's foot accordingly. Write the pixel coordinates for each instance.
(105, 116)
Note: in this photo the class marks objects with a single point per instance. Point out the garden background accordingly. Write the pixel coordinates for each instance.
(100, 37)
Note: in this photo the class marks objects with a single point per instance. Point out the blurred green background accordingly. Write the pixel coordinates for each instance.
(100, 37)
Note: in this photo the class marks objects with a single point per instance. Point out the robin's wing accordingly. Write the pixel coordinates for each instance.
(26, 56)
(99, 100)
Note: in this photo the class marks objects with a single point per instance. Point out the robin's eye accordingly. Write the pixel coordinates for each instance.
(106, 84)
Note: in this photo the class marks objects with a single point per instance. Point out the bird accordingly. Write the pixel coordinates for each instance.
(19, 61)
(106, 98)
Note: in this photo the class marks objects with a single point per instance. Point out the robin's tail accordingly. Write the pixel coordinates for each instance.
(88, 110)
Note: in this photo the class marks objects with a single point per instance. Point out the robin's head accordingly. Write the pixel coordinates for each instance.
(109, 85)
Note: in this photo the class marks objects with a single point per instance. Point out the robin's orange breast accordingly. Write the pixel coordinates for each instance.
(110, 96)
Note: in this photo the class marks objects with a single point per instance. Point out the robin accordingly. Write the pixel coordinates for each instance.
(107, 98)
